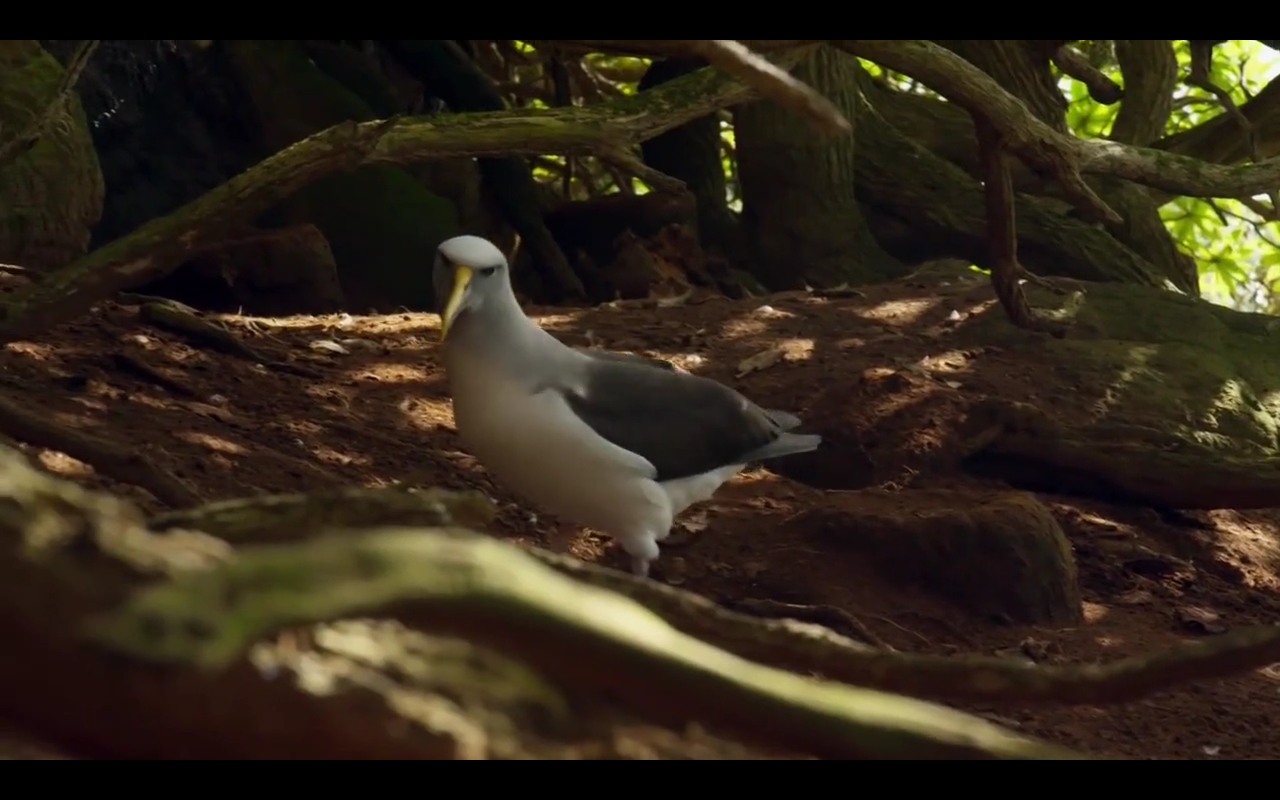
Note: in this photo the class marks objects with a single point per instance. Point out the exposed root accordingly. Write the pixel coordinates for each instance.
(108, 458)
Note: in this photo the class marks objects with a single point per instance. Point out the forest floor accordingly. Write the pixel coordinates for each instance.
(379, 415)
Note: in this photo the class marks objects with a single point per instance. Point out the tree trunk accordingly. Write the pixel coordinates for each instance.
(1022, 66)
(800, 216)
(691, 153)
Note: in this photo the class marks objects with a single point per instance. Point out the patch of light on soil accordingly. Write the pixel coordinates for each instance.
(331, 456)
(743, 327)
(554, 321)
(1094, 612)
(1110, 641)
(63, 465)
(950, 361)
(393, 373)
(40, 352)
(903, 312)
(214, 443)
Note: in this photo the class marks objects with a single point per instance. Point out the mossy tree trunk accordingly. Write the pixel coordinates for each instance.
(800, 216)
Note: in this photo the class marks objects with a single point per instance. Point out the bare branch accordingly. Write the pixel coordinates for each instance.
(1002, 231)
(1074, 63)
(771, 82)
(161, 245)
(1062, 156)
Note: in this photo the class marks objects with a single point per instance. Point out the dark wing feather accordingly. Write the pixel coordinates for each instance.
(683, 424)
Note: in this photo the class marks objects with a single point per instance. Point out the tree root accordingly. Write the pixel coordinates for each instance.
(61, 559)
(785, 643)
(180, 319)
(110, 459)
(455, 582)
(1138, 465)
(158, 247)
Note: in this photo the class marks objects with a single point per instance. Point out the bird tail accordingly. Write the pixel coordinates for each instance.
(785, 445)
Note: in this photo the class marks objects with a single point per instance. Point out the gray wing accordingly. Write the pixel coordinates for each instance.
(683, 424)
(609, 355)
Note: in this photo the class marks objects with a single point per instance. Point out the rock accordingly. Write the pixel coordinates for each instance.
(270, 273)
(995, 555)
(50, 196)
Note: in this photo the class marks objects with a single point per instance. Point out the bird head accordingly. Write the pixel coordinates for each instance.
(468, 273)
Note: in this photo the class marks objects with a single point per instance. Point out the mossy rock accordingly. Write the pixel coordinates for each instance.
(1000, 556)
(381, 223)
(50, 196)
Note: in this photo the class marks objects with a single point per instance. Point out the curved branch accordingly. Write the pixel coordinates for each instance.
(1060, 155)
(770, 81)
(1074, 63)
(161, 245)
(460, 583)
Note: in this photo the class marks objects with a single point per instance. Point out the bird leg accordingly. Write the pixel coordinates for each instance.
(643, 550)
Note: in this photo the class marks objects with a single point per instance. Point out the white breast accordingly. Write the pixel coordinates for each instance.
(537, 447)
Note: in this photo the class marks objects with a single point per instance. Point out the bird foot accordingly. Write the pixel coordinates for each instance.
(640, 566)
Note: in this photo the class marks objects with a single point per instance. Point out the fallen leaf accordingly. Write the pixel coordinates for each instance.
(760, 361)
(1198, 619)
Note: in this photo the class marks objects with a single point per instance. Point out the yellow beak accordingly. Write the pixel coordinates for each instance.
(461, 280)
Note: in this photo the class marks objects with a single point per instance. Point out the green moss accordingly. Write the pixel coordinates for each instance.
(50, 196)
(1204, 373)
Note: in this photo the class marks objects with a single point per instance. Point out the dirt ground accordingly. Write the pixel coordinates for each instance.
(880, 373)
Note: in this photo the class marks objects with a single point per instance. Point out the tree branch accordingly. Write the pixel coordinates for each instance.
(161, 245)
(770, 81)
(26, 138)
(1150, 71)
(1074, 63)
(1061, 156)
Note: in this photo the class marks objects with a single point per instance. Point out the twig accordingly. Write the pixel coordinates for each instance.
(136, 365)
(625, 161)
(179, 319)
(834, 618)
(109, 459)
(27, 137)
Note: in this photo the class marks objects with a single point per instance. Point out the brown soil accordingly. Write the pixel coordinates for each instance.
(883, 375)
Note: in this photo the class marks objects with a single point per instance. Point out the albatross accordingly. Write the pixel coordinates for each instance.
(609, 441)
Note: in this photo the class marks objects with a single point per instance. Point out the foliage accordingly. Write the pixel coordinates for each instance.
(1237, 251)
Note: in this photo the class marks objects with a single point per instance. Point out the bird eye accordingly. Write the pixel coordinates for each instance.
(487, 271)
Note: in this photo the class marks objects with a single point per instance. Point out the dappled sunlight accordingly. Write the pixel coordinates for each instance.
(63, 465)
(42, 352)
(1251, 541)
(1094, 612)
(1140, 355)
(329, 455)
(210, 442)
(901, 312)
(392, 373)
(1110, 642)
